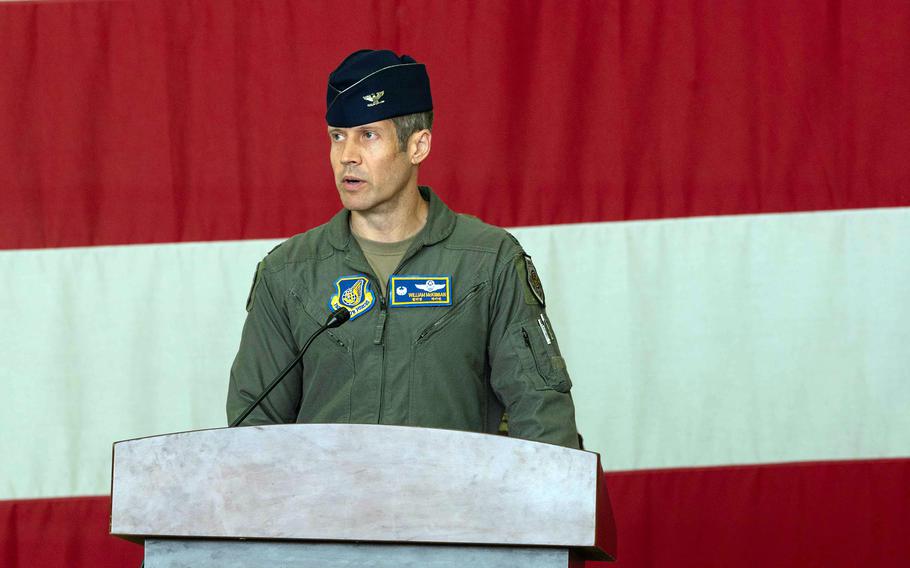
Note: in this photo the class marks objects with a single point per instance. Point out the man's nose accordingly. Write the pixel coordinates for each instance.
(350, 153)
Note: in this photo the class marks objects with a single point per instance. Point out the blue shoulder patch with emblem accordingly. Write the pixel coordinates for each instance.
(354, 293)
(414, 291)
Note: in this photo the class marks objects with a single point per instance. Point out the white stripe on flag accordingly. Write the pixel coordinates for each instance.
(704, 341)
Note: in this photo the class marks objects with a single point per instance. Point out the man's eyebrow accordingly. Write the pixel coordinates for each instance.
(361, 128)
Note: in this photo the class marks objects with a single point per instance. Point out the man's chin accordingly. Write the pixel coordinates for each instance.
(352, 202)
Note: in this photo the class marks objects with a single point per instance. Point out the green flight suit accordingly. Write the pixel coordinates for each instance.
(457, 367)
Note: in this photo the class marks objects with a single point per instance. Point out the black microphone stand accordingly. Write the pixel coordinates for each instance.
(335, 319)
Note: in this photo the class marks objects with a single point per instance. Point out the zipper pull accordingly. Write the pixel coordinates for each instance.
(337, 339)
(380, 327)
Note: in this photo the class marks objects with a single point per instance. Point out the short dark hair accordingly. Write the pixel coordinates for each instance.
(408, 124)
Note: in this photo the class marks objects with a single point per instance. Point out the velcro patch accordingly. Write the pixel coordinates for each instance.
(413, 291)
(534, 281)
(354, 293)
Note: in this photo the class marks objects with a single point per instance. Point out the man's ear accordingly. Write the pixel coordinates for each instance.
(419, 146)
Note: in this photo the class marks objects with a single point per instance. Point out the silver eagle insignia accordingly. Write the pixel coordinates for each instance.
(374, 98)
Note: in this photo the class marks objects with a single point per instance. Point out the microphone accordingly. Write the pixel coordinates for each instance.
(335, 319)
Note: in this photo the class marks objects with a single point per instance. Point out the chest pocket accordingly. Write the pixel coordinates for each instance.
(307, 315)
(462, 306)
(448, 358)
(328, 370)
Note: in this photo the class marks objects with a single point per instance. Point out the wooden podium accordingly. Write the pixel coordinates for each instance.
(346, 495)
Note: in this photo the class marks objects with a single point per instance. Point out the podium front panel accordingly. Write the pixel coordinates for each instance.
(344, 482)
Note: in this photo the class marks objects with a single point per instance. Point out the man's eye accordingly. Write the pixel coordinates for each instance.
(369, 135)
(336, 136)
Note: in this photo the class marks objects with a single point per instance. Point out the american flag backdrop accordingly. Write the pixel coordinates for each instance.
(716, 196)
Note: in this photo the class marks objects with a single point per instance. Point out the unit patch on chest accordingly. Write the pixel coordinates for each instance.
(354, 293)
(413, 291)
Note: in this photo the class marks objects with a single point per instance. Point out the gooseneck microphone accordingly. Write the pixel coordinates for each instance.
(335, 319)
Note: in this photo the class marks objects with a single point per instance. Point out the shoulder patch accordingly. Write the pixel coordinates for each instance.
(534, 281)
(534, 291)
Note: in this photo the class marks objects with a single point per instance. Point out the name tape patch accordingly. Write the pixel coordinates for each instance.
(420, 291)
(354, 293)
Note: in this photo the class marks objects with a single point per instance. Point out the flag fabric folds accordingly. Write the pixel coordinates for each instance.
(717, 199)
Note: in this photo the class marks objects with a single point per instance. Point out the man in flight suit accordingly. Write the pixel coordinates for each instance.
(448, 327)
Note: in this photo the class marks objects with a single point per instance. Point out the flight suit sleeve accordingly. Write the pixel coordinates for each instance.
(266, 346)
(528, 372)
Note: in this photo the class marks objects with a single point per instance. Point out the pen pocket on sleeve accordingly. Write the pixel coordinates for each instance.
(541, 355)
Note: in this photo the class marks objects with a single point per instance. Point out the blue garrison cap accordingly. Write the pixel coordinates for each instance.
(374, 85)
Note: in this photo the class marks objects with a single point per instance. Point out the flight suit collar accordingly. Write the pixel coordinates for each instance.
(440, 223)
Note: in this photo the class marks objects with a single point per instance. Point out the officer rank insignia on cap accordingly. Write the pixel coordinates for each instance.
(374, 98)
(420, 291)
(354, 293)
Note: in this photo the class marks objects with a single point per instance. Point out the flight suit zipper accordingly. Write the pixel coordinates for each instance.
(379, 329)
(379, 341)
(379, 334)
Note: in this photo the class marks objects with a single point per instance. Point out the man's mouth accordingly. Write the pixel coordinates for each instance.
(351, 182)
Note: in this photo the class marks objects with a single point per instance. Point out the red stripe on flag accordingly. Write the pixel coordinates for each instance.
(135, 122)
(71, 532)
(832, 514)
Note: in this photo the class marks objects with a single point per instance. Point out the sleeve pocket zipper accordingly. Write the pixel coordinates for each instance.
(524, 333)
(555, 375)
